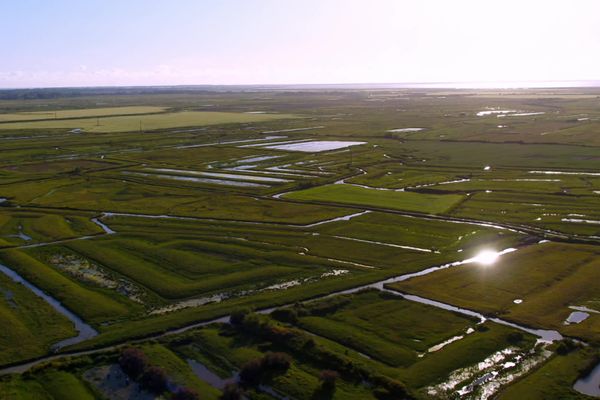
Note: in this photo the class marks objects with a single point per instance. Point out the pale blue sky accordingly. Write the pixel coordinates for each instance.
(152, 42)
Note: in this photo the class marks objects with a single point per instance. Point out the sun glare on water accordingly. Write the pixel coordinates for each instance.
(486, 257)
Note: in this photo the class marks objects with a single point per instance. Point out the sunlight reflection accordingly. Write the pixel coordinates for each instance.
(486, 257)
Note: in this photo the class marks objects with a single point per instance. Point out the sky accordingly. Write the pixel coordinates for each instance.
(48, 43)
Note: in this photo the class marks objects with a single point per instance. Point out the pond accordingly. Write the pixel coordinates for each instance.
(590, 384)
(315, 146)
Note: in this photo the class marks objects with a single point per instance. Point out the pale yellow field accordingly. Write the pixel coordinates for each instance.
(146, 122)
(82, 113)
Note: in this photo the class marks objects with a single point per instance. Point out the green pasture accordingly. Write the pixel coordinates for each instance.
(548, 278)
(81, 113)
(224, 352)
(384, 327)
(146, 122)
(30, 326)
(406, 201)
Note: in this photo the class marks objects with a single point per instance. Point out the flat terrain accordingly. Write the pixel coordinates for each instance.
(86, 112)
(142, 122)
(407, 201)
(544, 280)
(414, 264)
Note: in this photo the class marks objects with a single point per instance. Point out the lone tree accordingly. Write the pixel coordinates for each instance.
(133, 362)
(154, 380)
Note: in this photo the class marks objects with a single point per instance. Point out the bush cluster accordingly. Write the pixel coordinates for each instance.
(254, 371)
(152, 378)
(301, 343)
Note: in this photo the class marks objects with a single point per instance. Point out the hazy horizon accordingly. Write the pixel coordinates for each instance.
(264, 42)
(355, 85)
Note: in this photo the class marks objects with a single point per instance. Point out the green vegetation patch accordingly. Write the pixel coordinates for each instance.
(178, 371)
(383, 326)
(99, 305)
(147, 121)
(30, 326)
(547, 278)
(407, 201)
(554, 380)
(79, 113)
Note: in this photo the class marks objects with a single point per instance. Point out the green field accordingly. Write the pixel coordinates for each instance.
(29, 321)
(553, 380)
(405, 201)
(144, 229)
(86, 112)
(385, 328)
(548, 278)
(144, 122)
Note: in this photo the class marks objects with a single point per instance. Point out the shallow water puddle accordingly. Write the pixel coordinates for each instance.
(581, 221)
(590, 384)
(565, 173)
(285, 168)
(220, 175)
(525, 114)
(22, 235)
(217, 298)
(343, 218)
(104, 227)
(482, 380)
(229, 142)
(405, 130)
(296, 129)
(576, 317)
(202, 372)
(198, 180)
(255, 159)
(440, 346)
(274, 143)
(386, 244)
(315, 146)
(492, 112)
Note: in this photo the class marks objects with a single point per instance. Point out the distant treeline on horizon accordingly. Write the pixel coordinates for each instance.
(59, 92)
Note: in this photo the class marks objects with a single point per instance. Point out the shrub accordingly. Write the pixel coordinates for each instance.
(278, 333)
(232, 392)
(514, 337)
(285, 315)
(565, 347)
(328, 378)
(392, 388)
(186, 394)
(380, 393)
(133, 362)
(279, 362)
(251, 372)
(238, 316)
(253, 323)
(154, 380)
(397, 389)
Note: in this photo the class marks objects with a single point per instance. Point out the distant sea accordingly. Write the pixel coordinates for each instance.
(446, 85)
(308, 86)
